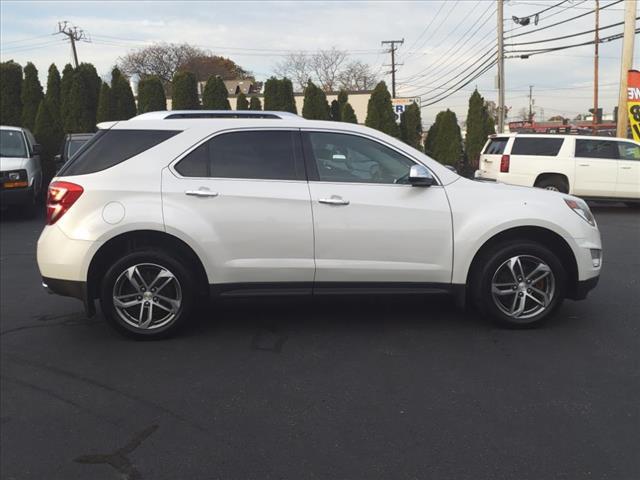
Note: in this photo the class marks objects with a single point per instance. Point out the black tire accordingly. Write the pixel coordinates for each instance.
(556, 184)
(488, 265)
(147, 260)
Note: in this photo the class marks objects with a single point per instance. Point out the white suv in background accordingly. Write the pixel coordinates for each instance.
(598, 168)
(159, 211)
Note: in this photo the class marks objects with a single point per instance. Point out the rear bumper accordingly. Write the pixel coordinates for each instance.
(16, 196)
(70, 288)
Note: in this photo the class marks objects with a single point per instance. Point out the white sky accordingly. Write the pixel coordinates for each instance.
(440, 37)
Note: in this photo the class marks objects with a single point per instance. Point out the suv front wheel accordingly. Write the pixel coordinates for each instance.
(147, 294)
(519, 284)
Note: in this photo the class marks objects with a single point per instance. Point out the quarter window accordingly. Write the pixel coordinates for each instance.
(266, 155)
(496, 146)
(541, 146)
(111, 147)
(596, 149)
(628, 151)
(350, 158)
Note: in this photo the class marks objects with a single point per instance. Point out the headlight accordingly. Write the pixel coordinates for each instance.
(582, 209)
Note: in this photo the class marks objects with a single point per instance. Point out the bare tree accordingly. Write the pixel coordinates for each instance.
(326, 67)
(357, 75)
(160, 59)
(297, 67)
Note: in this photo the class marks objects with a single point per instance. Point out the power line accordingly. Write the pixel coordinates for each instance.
(434, 66)
(444, 20)
(442, 4)
(530, 53)
(567, 36)
(471, 79)
(563, 21)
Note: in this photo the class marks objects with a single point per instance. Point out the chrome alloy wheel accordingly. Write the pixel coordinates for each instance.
(147, 296)
(523, 287)
(553, 188)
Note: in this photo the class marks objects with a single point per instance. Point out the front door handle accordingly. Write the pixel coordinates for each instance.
(584, 164)
(334, 200)
(625, 168)
(201, 193)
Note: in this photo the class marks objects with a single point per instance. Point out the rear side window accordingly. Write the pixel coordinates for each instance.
(496, 146)
(596, 149)
(265, 155)
(111, 147)
(537, 146)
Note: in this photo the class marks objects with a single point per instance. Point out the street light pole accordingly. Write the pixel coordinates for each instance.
(500, 66)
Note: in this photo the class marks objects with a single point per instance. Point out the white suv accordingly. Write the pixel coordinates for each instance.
(598, 168)
(167, 208)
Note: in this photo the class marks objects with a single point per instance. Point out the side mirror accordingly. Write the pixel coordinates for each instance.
(419, 176)
(58, 162)
(37, 149)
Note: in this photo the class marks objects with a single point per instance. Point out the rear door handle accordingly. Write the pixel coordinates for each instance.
(334, 200)
(625, 168)
(584, 164)
(201, 193)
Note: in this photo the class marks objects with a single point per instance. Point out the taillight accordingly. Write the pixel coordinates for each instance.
(504, 164)
(61, 196)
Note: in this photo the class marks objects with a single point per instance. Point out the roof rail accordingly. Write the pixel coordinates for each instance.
(204, 114)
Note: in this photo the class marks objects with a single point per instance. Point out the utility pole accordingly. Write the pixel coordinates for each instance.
(392, 50)
(530, 103)
(626, 65)
(501, 111)
(595, 70)
(74, 34)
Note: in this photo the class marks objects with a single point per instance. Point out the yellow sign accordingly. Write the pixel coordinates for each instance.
(633, 102)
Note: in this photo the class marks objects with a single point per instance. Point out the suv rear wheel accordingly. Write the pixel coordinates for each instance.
(147, 294)
(555, 184)
(519, 284)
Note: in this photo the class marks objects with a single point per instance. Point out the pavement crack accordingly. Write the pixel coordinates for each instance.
(119, 459)
(94, 383)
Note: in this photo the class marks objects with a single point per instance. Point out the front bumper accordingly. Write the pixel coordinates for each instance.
(16, 196)
(582, 288)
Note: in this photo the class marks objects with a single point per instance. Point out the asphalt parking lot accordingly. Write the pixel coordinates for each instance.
(340, 388)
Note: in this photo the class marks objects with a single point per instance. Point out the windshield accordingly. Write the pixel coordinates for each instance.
(12, 144)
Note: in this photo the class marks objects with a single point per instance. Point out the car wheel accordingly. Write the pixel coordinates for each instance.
(519, 284)
(554, 184)
(147, 294)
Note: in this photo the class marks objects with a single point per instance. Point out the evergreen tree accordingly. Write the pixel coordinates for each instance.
(411, 126)
(271, 100)
(123, 104)
(79, 118)
(92, 83)
(53, 92)
(48, 133)
(347, 114)
(255, 104)
(31, 96)
(105, 110)
(215, 94)
(315, 105)
(241, 102)
(287, 99)
(10, 90)
(479, 126)
(184, 92)
(380, 111)
(65, 88)
(444, 141)
(343, 97)
(335, 111)
(151, 96)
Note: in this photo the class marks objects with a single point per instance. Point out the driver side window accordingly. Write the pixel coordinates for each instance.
(349, 158)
